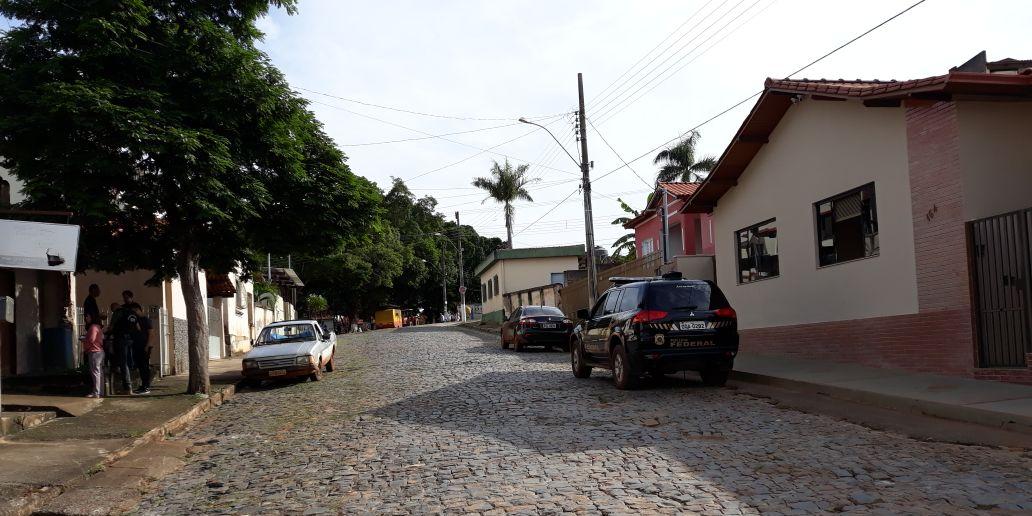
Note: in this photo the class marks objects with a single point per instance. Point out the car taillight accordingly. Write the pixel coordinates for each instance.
(648, 315)
(528, 322)
(727, 313)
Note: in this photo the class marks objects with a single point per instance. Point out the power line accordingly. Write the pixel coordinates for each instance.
(750, 97)
(482, 150)
(647, 54)
(685, 65)
(600, 110)
(628, 165)
(427, 137)
(575, 190)
(420, 113)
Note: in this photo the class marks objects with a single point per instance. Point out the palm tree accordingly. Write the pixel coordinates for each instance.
(678, 162)
(506, 185)
(625, 244)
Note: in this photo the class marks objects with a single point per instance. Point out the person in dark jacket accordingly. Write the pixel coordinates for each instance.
(141, 347)
(90, 306)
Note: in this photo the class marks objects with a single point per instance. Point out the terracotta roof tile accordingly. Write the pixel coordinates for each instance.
(680, 189)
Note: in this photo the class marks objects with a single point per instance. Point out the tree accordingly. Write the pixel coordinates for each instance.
(678, 162)
(506, 185)
(623, 248)
(315, 305)
(173, 139)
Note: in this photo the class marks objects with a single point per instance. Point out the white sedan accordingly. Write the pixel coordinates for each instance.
(290, 349)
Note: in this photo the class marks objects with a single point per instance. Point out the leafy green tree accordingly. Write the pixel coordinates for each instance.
(678, 163)
(173, 139)
(623, 248)
(507, 185)
(315, 304)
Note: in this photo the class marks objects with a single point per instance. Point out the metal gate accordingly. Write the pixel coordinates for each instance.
(1000, 258)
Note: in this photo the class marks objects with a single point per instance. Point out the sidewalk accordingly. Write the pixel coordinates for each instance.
(43, 461)
(1001, 405)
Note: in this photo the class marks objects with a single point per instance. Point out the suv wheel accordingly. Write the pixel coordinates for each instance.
(714, 377)
(580, 369)
(505, 345)
(624, 376)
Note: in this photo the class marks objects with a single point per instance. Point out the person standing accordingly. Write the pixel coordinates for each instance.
(123, 324)
(93, 345)
(141, 348)
(90, 306)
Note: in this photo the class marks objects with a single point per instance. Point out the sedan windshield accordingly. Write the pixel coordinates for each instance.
(541, 311)
(286, 333)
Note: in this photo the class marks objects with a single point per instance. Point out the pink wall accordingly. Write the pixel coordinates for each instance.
(686, 222)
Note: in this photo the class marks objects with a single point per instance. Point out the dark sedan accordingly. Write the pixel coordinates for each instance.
(536, 326)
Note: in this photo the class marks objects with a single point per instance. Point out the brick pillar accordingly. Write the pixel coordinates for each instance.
(940, 243)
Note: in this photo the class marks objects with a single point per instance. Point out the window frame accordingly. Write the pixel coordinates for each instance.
(817, 227)
(615, 295)
(651, 247)
(640, 290)
(738, 248)
(600, 306)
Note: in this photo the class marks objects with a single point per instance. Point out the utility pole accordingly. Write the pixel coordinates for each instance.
(589, 226)
(665, 225)
(444, 286)
(462, 276)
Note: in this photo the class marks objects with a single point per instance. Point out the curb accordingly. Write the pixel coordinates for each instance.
(32, 501)
(990, 418)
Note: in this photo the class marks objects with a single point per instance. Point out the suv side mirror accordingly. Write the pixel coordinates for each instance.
(583, 314)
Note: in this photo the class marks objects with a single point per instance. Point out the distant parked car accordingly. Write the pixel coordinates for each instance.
(290, 349)
(657, 325)
(536, 326)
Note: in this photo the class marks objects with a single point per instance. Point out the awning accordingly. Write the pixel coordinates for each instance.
(285, 277)
(219, 285)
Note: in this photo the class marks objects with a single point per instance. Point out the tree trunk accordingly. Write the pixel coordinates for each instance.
(508, 223)
(197, 324)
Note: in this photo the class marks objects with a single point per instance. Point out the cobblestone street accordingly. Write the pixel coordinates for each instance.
(437, 419)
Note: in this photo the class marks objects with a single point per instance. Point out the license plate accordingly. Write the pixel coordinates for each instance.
(693, 325)
(686, 343)
(549, 326)
(277, 372)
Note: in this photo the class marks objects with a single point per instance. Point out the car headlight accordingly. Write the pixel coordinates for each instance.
(304, 360)
(250, 363)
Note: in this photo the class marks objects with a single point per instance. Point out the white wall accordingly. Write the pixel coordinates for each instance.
(995, 157)
(235, 313)
(527, 273)
(178, 301)
(112, 285)
(495, 303)
(821, 149)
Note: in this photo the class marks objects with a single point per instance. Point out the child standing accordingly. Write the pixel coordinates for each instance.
(93, 345)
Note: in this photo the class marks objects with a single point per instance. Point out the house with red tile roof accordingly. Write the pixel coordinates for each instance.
(885, 223)
(690, 233)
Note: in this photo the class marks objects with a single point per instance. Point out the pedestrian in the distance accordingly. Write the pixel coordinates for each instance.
(141, 348)
(93, 345)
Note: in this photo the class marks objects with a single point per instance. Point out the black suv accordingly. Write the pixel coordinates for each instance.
(658, 326)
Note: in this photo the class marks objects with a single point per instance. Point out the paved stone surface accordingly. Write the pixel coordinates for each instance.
(438, 420)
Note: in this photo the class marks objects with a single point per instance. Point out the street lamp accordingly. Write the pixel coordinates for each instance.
(575, 162)
(589, 224)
